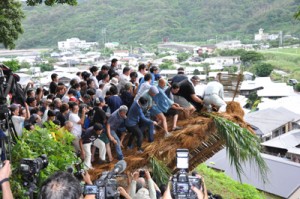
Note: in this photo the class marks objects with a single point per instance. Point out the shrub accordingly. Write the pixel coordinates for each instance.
(50, 141)
(297, 87)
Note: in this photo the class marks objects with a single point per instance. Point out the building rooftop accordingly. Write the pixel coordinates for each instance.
(285, 141)
(270, 119)
(282, 177)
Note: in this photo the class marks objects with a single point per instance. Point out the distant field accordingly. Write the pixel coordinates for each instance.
(286, 59)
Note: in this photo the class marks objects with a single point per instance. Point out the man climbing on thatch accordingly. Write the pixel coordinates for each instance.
(214, 96)
(187, 94)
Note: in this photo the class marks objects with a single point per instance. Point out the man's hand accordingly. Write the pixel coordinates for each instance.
(113, 140)
(198, 192)
(5, 171)
(147, 175)
(82, 155)
(136, 175)
(155, 123)
(87, 178)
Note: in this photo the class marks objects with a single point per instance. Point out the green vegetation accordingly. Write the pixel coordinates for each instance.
(263, 69)
(297, 87)
(50, 141)
(286, 59)
(220, 183)
(11, 16)
(167, 65)
(51, 2)
(13, 64)
(45, 66)
(183, 56)
(143, 21)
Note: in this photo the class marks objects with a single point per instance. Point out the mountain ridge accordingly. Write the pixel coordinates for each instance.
(142, 21)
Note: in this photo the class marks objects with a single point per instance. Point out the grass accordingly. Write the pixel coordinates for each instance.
(286, 59)
(220, 183)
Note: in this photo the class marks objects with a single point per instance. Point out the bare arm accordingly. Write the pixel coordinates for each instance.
(27, 112)
(5, 173)
(196, 98)
(111, 138)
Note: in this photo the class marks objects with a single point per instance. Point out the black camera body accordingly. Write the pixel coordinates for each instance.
(104, 188)
(30, 167)
(182, 183)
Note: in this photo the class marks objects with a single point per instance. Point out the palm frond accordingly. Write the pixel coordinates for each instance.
(241, 146)
(161, 172)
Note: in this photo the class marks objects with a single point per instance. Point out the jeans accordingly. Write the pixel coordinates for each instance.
(118, 147)
(135, 132)
(150, 125)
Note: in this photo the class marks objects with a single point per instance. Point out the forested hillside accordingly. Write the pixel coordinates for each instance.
(151, 21)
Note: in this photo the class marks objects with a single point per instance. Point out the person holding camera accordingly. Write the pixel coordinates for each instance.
(5, 173)
(87, 139)
(143, 192)
(201, 193)
(64, 185)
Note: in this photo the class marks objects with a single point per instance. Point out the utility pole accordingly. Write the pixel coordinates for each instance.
(104, 35)
(280, 38)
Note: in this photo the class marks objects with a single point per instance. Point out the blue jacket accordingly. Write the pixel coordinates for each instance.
(135, 115)
(162, 101)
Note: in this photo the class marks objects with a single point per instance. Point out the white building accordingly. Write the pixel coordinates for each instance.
(75, 43)
(234, 44)
(261, 36)
(111, 45)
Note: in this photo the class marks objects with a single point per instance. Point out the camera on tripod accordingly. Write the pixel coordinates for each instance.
(106, 187)
(182, 182)
(30, 167)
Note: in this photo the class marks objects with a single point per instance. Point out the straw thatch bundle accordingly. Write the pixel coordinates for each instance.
(199, 135)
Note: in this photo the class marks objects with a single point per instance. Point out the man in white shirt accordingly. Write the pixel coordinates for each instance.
(77, 124)
(94, 70)
(141, 72)
(18, 121)
(214, 95)
(124, 78)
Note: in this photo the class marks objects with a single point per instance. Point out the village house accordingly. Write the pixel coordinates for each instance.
(270, 123)
(234, 44)
(282, 177)
(286, 145)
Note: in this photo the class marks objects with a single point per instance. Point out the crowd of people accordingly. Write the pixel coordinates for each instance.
(101, 107)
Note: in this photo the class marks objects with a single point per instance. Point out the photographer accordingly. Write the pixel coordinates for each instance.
(5, 173)
(201, 193)
(18, 121)
(64, 185)
(142, 193)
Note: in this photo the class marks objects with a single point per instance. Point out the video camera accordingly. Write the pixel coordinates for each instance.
(30, 167)
(182, 181)
(106, 186)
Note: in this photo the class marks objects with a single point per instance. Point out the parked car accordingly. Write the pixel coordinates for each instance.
(293, 81)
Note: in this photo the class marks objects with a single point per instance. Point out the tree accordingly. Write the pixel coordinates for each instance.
(196, 72)
(249, 57)
(11, 15)
(297, 87)
(12, 64)
(263, 69)
(25, 64)
(182, 56)
(167, 65)
(45, 67)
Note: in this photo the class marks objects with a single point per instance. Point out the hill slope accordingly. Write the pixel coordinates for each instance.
(151, 21)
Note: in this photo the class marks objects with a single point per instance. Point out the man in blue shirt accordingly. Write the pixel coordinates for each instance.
(135, 116)
(115, 121)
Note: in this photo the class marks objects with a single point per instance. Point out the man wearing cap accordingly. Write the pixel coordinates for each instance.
(87, 139)
(187, 93)
(180, 76)
(135, 116)
(18, 121)
(214, 95)
(116, 122)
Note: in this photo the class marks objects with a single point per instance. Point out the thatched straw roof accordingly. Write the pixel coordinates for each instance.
(199, 136)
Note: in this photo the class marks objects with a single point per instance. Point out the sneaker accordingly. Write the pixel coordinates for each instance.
(167, 134)
(177, 128)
